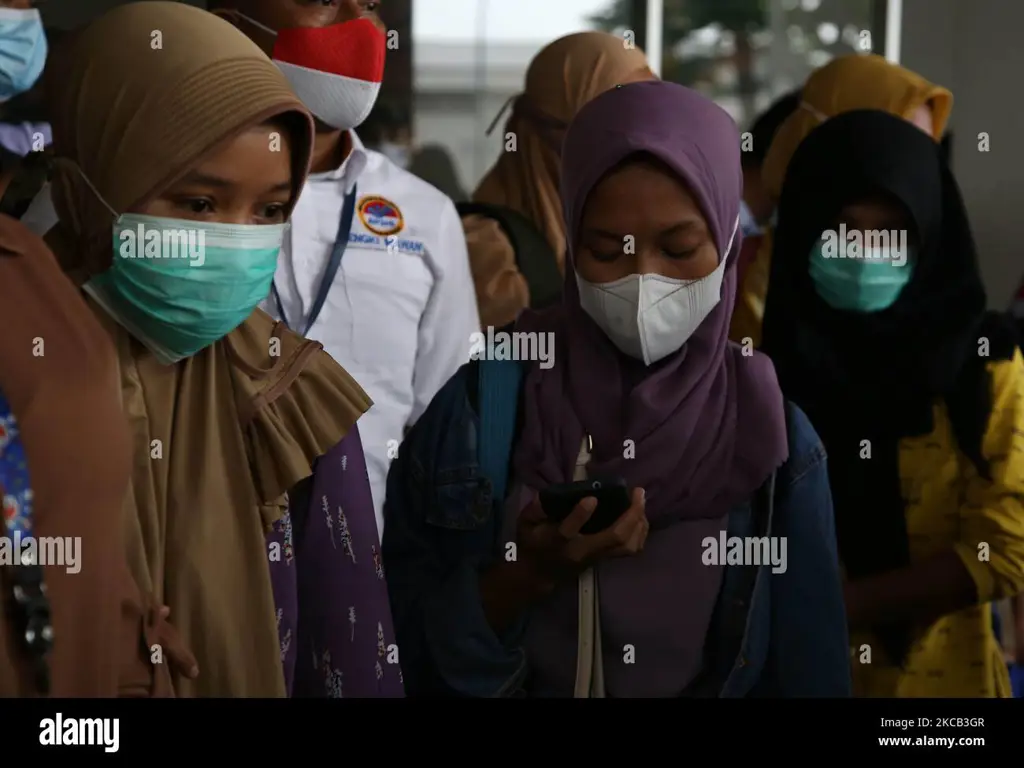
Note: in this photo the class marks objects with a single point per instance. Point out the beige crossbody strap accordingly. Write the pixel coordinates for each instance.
(589, 659)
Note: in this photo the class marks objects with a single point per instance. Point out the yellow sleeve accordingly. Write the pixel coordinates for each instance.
(749, 310)
(993, 511)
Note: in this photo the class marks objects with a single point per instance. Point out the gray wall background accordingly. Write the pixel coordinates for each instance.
(974, 48)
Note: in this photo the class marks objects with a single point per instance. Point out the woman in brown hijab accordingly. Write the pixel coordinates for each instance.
(564, 76)
(65, 460)
(170, 113)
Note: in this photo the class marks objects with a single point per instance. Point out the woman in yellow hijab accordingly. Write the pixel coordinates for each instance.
(563, 76)
(843, 85)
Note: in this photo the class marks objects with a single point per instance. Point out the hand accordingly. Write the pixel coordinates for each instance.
(180, 658)
(562, 552)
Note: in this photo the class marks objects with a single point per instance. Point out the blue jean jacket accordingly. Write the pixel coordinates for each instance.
(772, 634)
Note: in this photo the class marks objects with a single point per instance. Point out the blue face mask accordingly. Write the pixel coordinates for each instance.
(22, 50)
(179, 285)
(860, 285)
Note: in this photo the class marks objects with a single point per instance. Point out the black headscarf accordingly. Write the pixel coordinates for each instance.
(877, 376)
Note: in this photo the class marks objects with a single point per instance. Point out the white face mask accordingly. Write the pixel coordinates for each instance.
(650, 316)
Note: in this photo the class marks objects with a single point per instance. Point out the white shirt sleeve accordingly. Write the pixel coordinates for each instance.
(451, 316)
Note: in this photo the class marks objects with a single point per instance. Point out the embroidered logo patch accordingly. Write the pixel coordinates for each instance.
(380, 216)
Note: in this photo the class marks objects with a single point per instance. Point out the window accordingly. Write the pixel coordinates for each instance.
(744, 53)
(458, 62)
(467, 59)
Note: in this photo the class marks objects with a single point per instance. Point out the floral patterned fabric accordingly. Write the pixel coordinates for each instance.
(333, 615)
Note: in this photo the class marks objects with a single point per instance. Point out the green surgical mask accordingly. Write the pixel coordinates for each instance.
(179, 285)
(868, 284)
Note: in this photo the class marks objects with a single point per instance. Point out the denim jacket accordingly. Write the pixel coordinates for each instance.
(772, 634)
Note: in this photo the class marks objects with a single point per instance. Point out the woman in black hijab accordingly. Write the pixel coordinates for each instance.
(916, 392)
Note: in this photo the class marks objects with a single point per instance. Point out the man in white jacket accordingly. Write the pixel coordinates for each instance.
(401, 308)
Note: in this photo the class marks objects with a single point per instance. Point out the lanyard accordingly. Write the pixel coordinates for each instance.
(348, 210)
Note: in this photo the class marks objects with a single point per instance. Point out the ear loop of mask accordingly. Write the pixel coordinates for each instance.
(551, 129)
(728, 250)
(67, 163)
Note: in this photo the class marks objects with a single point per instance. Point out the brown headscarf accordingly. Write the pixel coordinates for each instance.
(564, 76)
(58, 371)
(220, 437)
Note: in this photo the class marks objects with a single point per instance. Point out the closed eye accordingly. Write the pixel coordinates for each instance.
(680, 255)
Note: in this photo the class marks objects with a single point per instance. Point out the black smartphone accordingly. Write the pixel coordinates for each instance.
(612, 495)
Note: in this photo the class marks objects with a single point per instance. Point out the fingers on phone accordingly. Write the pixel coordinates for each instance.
(636, 543)
(578, 517)
(632, 524)
(639, 499)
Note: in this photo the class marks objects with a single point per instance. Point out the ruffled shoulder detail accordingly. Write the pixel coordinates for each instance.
(295, 404)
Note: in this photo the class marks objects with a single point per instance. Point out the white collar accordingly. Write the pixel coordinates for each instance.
(350, 169)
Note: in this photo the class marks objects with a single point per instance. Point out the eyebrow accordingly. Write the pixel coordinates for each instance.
(677, 228)
(218, 182)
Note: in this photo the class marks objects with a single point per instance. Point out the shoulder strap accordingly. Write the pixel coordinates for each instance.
(498, 383)
(534, 255)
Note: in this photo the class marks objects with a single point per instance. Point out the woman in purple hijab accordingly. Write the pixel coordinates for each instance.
(721, 579)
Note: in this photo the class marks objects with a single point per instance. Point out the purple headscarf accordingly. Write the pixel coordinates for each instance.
(707, 423)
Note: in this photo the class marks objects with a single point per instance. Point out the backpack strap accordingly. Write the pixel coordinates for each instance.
(497, 400)
(534, 255)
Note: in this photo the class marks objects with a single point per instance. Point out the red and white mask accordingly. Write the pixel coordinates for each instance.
(336, 70)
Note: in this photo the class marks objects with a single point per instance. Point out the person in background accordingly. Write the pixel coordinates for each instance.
(637, 610)
(374, 264)
(386, 130)
(757, 206)
(562, 77)
(230, 412)
(23, 49)
(848, 83)
(434, 164)
(81, 627)
(916, 391)
(32, 181)
(24, 122)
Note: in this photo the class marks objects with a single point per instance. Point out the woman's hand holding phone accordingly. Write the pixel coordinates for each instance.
(561, 552)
